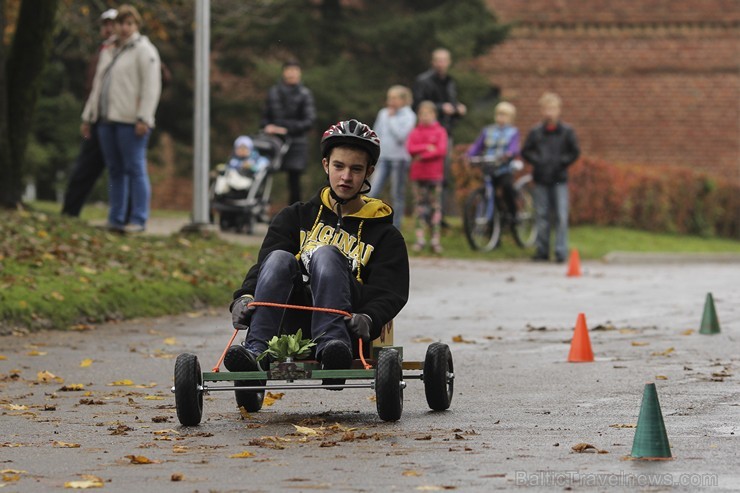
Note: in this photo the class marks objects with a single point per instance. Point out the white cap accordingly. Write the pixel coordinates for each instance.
(109, 15)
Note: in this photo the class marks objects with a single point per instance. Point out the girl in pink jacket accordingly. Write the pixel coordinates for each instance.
(427, 144)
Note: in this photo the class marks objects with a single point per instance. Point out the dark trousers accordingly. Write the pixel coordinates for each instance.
(331, 285)
(88, 168)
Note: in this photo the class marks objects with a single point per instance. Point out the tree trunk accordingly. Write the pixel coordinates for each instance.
(21, 82)
(5, 176)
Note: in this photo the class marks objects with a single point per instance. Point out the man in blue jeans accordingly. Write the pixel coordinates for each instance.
(338, 250)
(551, 147)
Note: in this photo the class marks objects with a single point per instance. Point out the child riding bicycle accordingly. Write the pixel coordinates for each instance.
(499, 143)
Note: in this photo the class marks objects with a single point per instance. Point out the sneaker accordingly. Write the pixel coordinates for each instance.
(114, 228)
(134, 228)
(559, 259)
(239, 358)
(540, 257)
(335, 356)
(418, 246)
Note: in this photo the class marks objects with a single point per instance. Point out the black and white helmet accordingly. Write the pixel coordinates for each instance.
(354, 133)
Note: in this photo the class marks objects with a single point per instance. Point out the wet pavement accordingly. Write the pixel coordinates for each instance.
(517, 411)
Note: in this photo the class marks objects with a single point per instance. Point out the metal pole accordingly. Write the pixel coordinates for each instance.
(201, 154)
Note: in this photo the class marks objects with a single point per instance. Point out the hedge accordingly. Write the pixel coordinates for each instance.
(661, 198)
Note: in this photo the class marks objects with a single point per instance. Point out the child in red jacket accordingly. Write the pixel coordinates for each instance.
(427, 144)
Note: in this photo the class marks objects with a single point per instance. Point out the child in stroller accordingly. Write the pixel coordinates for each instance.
(240, 192)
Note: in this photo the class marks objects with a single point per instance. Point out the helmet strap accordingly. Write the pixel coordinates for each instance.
(340, 201)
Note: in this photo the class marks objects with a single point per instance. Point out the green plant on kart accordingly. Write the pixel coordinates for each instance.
(292, 346)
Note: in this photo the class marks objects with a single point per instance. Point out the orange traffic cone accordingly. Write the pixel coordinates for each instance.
(580, 346)
(574, 264)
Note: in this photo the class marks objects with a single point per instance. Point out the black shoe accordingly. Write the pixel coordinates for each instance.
(335, 356)
(239, 358)
(540, 257)
(559, 259)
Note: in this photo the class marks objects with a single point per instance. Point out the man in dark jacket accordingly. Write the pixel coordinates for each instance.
(90, 164)
(290, 112)
(551, 147)
(438, 86)
(338, 250)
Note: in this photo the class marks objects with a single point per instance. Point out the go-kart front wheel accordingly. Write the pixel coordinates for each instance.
(438, 376)
(388, 388)
(188, 389)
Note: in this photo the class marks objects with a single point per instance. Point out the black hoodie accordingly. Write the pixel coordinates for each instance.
(368, 238)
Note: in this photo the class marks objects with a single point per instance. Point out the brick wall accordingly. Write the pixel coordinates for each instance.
(642, 82)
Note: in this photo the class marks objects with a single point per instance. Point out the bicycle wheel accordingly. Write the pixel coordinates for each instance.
(482, 231)
(524, 229)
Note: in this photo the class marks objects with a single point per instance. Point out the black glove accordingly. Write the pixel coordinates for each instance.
(359, 325)
(241, 312)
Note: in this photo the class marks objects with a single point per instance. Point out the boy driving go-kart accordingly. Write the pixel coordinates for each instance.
(339, 250)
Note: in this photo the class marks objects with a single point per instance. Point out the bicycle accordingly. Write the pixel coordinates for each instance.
(485, 211)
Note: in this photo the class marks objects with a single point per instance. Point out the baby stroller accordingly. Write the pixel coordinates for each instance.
(241, 197)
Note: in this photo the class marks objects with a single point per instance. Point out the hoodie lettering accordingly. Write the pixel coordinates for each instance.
(324, 234)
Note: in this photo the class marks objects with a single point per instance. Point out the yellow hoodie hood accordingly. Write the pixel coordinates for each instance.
(373, 208)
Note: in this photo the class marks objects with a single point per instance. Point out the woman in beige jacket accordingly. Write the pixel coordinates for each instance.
(122, 102)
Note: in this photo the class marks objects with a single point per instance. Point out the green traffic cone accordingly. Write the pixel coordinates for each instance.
(709, 321)
(651, 441)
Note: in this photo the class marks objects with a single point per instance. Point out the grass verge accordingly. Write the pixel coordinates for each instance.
(58, 272)
(592, 242)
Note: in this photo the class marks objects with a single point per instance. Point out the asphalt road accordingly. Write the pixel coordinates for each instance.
(518, 407)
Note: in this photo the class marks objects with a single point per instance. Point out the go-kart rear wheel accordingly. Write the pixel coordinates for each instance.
(188, 389)
(438, 376)
(388, 389)
(250, 400)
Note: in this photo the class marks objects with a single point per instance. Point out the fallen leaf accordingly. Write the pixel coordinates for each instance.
(425, 437)
(411, 473)
(271, 398)
(176, 476)
(372, 398)
(663, 353)
(422, 339)
(22, 304)
(661, 377)
(637, 344)
(81, 327)
(166, 432)
(242, 455)
(140, 459)
(36, 353)
(88, 481)
(583, 447)
(170, 341)
(627, 331)
(86, 362)
(57, 295)
(153, 398)
(121, 383)
(72, 387)
(46, 377)
(304, 430)
(15, 407)
(459, 338)
(180, 449)
(687, 332)
(623, 425)
(3, 358)
(245, 414)
(65, 444)
(160, 419)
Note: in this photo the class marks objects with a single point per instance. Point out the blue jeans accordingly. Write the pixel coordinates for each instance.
(552, 200)
(125, 156)
(280, 280)
(398, 170)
